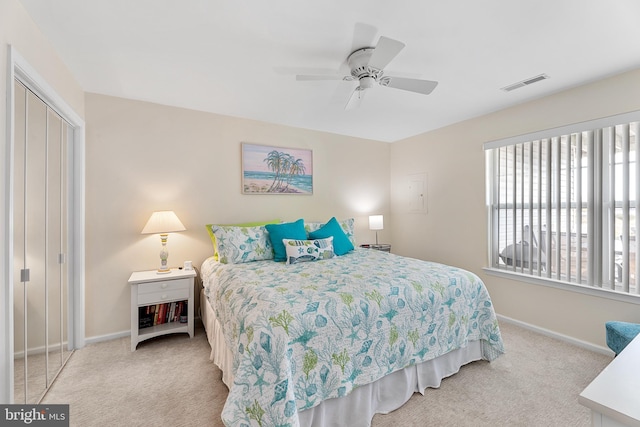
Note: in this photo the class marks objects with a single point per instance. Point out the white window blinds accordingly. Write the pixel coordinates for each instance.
(563, 203)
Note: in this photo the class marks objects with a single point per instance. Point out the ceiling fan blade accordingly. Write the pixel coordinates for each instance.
(364, 35)
(356, 98)
(412, 85)
(385, 51)
(310, 77)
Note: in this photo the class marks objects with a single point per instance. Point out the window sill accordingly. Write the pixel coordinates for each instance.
(582, 289)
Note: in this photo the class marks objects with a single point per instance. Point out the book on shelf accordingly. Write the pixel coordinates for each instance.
(176, 311)
(145, 317)
(184, 312)
(172, 312)
(158, 314)
(162, 317)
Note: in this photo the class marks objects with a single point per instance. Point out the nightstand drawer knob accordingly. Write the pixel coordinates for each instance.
(164, 285)
(164, 296)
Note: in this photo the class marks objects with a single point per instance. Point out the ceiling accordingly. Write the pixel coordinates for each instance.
(240, 58)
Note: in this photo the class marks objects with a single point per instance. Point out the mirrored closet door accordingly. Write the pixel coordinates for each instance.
(40, 216)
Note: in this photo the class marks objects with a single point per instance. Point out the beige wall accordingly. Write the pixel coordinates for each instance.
(143, 157)
(454, 228)
(17, 29)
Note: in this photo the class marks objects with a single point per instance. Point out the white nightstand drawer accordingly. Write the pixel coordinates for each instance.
(163, 296)
(163, 286)
(166, 290)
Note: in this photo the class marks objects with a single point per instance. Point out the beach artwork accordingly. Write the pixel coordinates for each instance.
(276, 170)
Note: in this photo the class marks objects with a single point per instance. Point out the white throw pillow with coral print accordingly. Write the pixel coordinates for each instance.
(308, 250)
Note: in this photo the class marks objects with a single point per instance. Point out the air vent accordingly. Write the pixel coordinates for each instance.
(526, 82)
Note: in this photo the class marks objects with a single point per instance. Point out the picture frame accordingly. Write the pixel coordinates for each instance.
(268, 169)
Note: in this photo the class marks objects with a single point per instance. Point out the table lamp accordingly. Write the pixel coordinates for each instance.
(376, 222)
(163, 223)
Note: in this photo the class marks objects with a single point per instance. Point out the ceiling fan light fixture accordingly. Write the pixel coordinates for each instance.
(366, 82)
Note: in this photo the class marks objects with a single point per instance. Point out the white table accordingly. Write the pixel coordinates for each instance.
(614, 395)
(150, 288)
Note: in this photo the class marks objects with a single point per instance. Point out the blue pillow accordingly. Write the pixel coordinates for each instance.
(341, 243)
(288, 230)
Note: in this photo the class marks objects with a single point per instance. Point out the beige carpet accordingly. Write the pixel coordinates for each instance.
(170, 381)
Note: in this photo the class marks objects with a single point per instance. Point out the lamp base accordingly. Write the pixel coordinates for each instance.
(160, 271)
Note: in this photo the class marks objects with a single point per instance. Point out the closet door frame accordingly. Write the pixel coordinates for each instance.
(20, 69)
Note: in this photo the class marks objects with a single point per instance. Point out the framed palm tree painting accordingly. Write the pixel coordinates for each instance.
(276, 170)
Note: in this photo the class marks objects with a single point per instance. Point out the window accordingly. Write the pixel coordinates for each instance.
(563, 204)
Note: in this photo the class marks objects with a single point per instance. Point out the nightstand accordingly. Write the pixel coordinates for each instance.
(161, 304)
(384, 247)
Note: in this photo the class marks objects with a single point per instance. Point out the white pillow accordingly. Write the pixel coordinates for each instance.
(237, 245)
(308, 250)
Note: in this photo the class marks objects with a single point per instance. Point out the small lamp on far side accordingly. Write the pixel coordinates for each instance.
(163, 223)
(376, 222)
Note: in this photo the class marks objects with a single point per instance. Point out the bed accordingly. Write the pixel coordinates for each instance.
(334, 341)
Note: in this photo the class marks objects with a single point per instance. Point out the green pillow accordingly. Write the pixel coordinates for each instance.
(244, 224)
(288, 230)
(341, 243)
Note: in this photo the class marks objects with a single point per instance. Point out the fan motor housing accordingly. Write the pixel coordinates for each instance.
(359, 64)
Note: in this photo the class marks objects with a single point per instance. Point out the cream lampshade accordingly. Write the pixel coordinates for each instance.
(376, 222)
(163, 223)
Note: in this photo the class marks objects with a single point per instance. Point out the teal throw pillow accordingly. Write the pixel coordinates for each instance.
(341, 243)
(288, 230)
(346, 224)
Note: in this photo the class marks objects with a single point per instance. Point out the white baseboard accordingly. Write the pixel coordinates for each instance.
(108, 337)
(116, 335)
(566, 338)
(39, 350)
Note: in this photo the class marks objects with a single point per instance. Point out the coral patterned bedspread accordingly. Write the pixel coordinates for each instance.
(307, 332)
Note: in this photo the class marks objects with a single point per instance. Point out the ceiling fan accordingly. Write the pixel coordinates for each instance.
(367, 67)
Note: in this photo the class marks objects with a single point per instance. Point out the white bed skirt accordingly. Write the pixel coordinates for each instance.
(359, 406)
